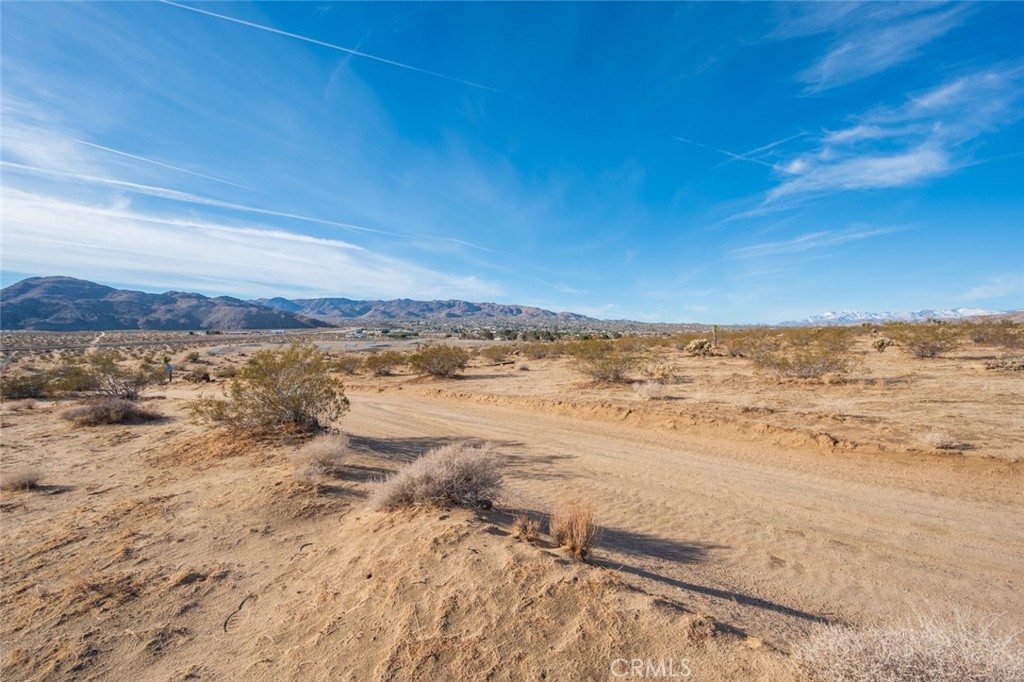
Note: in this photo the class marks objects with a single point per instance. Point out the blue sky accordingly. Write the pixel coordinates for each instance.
(710, 162)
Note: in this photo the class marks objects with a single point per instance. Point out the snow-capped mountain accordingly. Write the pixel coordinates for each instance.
(855, 317)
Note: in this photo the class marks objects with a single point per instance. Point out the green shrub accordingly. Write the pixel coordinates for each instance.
(279, 393)
(439, 360)
(349, 363)
(383, 363)
(602, 361)
(17, 386)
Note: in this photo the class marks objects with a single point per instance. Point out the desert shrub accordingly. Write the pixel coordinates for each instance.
(74, 378)
(22, 478)
(198, 375)
(383, 363)
(455, 474)
(497, 353)
(227, 372)
(349, 363)
(880, 344)
(1005, 333)
(17, 386)
(928, 341)
(525, 528)
(572, 526)
(924, 649)
(1006, 364)
(114, 381)
(537, 350)
(801, 363)
(279, 393)
(602, 362)
(320, 457)
(439, 359)
(752, 341)
(650, 390)
(108, 410)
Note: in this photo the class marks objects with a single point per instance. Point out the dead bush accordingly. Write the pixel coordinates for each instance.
(279, 393)
(923, 649)
(439, 360)
(525, 528)
(1006, 364)
(456, 474)
(109, 411)
(699, 348)
(942, 441)
(22, 478)
(383, 363)
(320, 458)
(881, 344)
(572, 526)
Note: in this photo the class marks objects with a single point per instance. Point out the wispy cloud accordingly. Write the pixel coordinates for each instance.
(995, 287)
(809, 242)
(45, 235)
(165, 165)
(925, 137)
(339, 48)
(867, 38)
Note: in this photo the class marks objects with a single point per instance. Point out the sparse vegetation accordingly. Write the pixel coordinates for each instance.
(812, 362)
(921, 650)
(699, 348)
(572, 526)
(525, 528)
(108, 411)
(942, 441)
(439, 360)
(383, 363)
(349, 363)
(602, 361)
(928, 340)
(282, 393)
(880, 344)
(21, 478)
(456, 474)
(114, 381)
(16, 386)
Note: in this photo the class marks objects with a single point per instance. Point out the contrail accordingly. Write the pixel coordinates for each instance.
(739, 157)
(166, 165)
(356, 53)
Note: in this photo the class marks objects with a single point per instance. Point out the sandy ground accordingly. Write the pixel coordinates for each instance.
(737, 512)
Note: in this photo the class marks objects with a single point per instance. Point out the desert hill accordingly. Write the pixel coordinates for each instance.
(69, 304)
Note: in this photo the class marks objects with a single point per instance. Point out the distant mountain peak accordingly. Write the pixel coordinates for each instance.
(844, 317)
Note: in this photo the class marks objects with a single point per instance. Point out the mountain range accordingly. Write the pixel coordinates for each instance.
(844, 317)
(69, 304)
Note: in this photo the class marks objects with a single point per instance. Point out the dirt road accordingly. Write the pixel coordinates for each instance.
(756, 535)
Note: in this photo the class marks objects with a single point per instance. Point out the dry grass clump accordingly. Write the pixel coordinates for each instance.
(942, 441)
(320, 457)
(918, 650)
(525, 528)
(22, 478)
(572, 526)
(109, 411)
(650, 390)
(456, 474)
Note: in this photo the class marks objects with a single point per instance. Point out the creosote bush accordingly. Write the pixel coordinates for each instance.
(928, 340)
(439, 360)
(924, 649)
(456, 474)
(801, 363)
(602, 361)
(572, 526)
(349, 363)
(383, 363)
(278, 393)
(108, 411)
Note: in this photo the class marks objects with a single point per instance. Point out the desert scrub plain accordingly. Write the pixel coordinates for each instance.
(750, 507)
